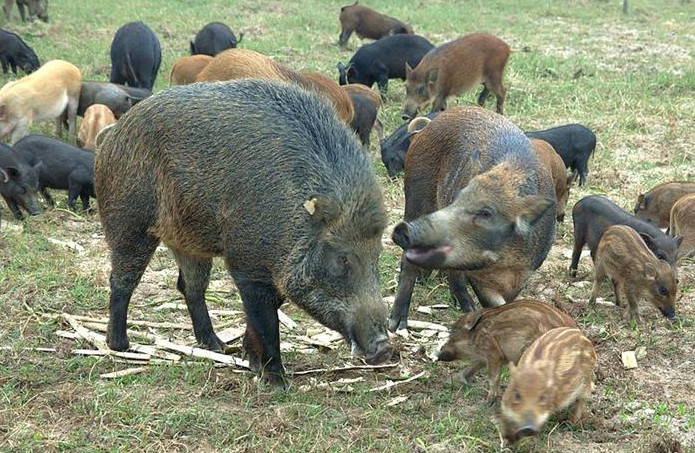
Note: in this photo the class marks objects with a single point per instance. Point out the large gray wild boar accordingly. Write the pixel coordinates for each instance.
(270, 180)
(478, 203)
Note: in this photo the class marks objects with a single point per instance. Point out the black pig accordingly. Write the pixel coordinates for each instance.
(594, 214)
(15, 53)
(135, 56)
(59, 166)
(395, 148)
(575, 143)
(383, 60)
(306, 229)
(19, 183)
(118, 98)
(213, 39)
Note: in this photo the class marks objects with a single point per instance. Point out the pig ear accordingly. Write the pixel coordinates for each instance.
(4, 177)
(648, 240)
(408, 70)
(678, 240)
(322, 208)
(418, 124)
(476, 165)
(433, 75)
(472, 319)
(38, 166)
(649, 271)
(532, 208)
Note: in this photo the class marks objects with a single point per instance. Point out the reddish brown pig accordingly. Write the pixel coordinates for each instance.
(655, 205)
(493, 337)
(366, 103)
(455, 67)
(234, 64)
(186, 69)
(683, 224)
(554, 372)
(368, 23)
(553, 162)
(478, 204)
(623, 256)
(96, 118)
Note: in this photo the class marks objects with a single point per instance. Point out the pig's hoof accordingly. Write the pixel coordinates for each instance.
(213, 343)
(398, 323)
(119, 343)
(275, 379)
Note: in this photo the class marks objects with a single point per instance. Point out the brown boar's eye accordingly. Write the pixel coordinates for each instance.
(541, 400)
(517, 397)
(663, 291)
(483, 214)
(421, 91)
(341, 265)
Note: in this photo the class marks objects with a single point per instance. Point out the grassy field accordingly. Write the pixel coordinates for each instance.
(630, 78)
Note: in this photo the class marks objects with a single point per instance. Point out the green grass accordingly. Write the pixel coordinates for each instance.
(629, 78)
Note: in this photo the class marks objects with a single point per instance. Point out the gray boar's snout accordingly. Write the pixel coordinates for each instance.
(423, 242)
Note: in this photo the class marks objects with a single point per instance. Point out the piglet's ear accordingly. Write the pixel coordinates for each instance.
(532, 208)
(472, 319)
(649, 271)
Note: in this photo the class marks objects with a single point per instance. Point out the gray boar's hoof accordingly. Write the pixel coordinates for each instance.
(305, 230)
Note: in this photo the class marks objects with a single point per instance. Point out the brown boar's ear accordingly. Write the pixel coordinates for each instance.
(472, 319)
(531, 209)
(476, 165)
(322, 208)
(418, 124)
(649, 271)
(432, 75)
(408, 70)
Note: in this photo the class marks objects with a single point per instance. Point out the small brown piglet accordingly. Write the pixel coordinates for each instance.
(682, 223)
(554, 372)
(493, 337)
(624, 257)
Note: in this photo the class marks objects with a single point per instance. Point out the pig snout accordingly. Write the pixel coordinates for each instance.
(446, 355)
(380, 353)
(670, 314)
(422, 243)
(528, 429)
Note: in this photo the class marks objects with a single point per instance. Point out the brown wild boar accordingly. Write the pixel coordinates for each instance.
(553, 162)
(683, 224)
(493, 337)
(186, 69)
(554, 372)
(655, 205)
(453, 68)
(366, 103)
(478, 203)
(368, 23)
(96, 118)
(623, 256)
(40, 96)
(234, 64)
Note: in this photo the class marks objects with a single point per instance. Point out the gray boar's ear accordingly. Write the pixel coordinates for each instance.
(472, 320)
(418, 124)
(408, 70)
(532, 208)
(649, 271)
(432, 75)
(648, 240)
(322, 208)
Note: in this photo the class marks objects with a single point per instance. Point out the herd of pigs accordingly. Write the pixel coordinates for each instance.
(271, 172)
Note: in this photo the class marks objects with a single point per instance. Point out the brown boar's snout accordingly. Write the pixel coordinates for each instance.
(670, 314)
(528, 429)
(446, 355)
(421, 243)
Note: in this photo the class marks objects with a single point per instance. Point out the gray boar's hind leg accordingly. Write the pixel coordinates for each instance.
(459, 292)
(194, 276)
(262, 338)
(127, 266)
